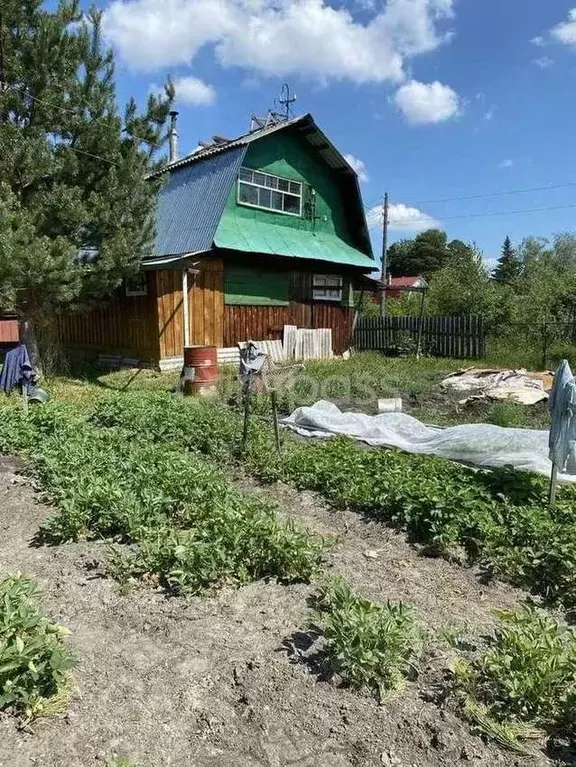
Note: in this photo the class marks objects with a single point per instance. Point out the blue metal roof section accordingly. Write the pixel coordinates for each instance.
(191, 203)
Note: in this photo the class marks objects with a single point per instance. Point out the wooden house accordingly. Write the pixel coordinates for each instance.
(251, 234)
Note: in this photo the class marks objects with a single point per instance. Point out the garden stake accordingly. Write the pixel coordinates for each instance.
(553, 482)
(247, 393)
(274, 403)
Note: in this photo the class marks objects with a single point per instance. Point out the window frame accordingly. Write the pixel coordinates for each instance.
(321, 287)
(283, 192)
(132, 290)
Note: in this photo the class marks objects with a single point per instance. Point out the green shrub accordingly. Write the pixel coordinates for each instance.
(563, 351)
(373, 647)
(527, 676)
(34, 661)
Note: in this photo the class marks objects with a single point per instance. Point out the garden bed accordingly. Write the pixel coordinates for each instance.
(216, 681)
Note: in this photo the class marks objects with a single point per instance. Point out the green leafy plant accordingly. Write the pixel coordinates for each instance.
(373, 647)
(526, 679)
(34, 661)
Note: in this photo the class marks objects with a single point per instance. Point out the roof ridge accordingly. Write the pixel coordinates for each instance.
(244, 138)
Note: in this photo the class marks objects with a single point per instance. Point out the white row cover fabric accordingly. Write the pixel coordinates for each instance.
(480, 444)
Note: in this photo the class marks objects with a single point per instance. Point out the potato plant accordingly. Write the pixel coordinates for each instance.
(191, 529)
(526, 678)
(498, 518)
(372, 647)
(34, 660)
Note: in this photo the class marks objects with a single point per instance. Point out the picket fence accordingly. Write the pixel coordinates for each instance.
(459, 337)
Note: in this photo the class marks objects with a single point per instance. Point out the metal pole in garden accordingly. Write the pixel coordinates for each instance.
(247, 394)
(384, 255)
(274, 403)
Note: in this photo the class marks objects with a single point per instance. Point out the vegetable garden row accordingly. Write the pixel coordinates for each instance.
(139, 471)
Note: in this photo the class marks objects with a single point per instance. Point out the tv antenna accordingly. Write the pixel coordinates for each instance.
(286, 100)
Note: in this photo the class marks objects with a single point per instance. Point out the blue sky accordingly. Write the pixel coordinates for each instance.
(436, 98)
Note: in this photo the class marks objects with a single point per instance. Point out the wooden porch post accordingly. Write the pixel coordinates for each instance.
(185, 306)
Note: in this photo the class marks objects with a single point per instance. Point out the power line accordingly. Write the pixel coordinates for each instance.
(485, 215)
(72, 112)
(497, 194)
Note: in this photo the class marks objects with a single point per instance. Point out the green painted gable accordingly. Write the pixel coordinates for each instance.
(323, 233)
(255, 287)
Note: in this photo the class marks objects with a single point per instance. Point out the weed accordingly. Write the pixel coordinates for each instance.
(373, 647)
(34, 661)
(507, 414)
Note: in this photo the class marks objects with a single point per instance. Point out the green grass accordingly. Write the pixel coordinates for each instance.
(497, 518)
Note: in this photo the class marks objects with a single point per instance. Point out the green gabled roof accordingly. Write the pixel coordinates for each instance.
(256, 236)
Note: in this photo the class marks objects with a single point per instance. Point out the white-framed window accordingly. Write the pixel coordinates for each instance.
(327, 287)
(261, 190)
(137, 285)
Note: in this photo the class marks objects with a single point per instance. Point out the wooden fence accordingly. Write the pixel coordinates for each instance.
(461, 337)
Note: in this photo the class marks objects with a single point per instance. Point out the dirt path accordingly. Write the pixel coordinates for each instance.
(212, 682)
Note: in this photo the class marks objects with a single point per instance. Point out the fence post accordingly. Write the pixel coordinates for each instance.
(544, 347)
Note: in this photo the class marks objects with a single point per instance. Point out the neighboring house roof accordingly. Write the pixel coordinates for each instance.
(191, 204)
(406, 282)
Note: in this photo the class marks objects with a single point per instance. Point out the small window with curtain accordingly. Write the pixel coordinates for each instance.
(137, 285)
(261, 190)
(327, 287)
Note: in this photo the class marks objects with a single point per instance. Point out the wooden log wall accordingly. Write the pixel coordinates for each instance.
(262, 323)
(125, 325)
(205, 308)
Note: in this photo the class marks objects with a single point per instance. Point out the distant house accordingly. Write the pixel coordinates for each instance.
(396, 287)
(257, 232)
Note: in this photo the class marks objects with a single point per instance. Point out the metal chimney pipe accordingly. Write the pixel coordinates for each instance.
(173, 137)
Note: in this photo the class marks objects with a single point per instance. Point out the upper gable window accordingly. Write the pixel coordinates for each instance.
(261, 190)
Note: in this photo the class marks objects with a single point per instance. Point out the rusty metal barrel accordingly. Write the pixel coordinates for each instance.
(200, 369)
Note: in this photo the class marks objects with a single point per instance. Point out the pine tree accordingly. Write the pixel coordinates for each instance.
(509, 265)
(73, 174)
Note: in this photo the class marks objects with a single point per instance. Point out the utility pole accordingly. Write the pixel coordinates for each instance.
(384, 255)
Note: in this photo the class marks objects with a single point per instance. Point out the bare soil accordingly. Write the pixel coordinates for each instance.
(233, 680)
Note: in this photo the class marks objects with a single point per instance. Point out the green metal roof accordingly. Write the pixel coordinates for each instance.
(260, 237)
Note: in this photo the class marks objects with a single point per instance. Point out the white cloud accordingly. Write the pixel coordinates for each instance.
(489, 115)
(401, 218)
(538, 41)
(544, 62)
(279, 37)
(191, 90)
(423, 103)
(358, 166)
(506, 163)
(565, 32)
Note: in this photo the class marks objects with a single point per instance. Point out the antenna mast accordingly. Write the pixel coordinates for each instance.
(286, 100)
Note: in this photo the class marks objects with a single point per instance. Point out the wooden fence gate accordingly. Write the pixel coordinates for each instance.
(461, 337)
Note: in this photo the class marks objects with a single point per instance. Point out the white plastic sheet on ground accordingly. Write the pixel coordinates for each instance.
(480, 444)
(514, 385)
